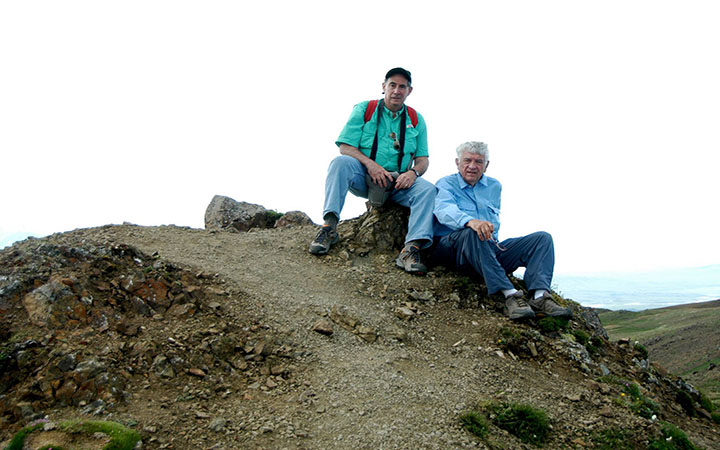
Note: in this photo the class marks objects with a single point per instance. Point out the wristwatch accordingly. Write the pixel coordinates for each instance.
(416, 173)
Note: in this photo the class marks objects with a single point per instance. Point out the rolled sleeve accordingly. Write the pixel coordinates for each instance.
(447, 211)
(351, 134)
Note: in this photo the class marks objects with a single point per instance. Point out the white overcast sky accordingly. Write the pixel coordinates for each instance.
(602, 118)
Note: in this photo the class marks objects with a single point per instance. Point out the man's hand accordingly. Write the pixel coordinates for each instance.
(484, 229)
(405, 180)
(379, 175)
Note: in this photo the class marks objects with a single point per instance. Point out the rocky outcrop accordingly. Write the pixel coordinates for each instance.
(107, 297)
(226, 214)
(379, 229)
(293, 219)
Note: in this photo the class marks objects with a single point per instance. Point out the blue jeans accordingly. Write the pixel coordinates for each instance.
(348, 174)
(463, 250)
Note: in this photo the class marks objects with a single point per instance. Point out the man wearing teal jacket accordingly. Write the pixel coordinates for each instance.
(390, 151)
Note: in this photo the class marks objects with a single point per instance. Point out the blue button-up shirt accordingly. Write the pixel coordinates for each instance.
(457, 203)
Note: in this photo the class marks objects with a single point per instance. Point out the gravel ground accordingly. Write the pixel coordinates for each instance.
(406, 357)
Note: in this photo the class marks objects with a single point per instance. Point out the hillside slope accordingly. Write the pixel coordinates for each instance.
(206, 340)
(683, 338)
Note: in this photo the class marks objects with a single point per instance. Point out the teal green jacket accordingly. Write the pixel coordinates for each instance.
(361, 134)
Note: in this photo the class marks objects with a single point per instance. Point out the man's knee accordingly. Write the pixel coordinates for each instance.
(468, 238)
(342, 162)
(543, 237)
(425, 188)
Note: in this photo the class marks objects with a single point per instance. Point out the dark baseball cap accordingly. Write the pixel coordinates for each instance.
(399, 71)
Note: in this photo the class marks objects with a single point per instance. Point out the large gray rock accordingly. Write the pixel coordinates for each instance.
(293, 218)
(226, 214)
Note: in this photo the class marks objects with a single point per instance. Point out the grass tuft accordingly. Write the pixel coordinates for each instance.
(475, 423)
(639, 348)
(271, 216)
(706, 403)
(121, 438)
(529, 424)
(685, 400)
(581, 336)
(552, 324)
(18, 440)
(715, 417)
(673, 439)
(612, 439)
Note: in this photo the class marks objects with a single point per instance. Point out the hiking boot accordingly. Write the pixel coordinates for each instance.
(326, 237)
(545, 306)
(409, 261)
(516, 307)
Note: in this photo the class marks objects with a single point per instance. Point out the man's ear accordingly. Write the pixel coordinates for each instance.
(486, 166)
(410, 90)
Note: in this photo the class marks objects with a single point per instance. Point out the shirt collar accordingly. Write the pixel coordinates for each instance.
(464, 184)
(390, 113)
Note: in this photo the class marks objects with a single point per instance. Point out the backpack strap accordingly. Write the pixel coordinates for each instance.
(413, 115)
(379, 105)
(370, 109)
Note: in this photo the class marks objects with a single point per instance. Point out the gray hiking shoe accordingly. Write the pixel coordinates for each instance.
(326, 237)
(409, 261)
(516, 307)
(545, 306)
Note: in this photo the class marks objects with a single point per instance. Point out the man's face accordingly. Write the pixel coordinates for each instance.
(471, 167)
(396, 90)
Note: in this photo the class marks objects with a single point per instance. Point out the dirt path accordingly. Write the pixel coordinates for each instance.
(391, 393)
(380, 381)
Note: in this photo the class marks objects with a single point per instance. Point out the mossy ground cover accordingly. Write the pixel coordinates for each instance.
(121, 438)
(673, 438)
(613, 439)
(475, 423)
(529, 424)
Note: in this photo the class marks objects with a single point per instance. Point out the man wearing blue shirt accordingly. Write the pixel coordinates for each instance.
(389, 150)
(467, 207)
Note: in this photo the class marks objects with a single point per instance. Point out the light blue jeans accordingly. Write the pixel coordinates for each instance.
(348, 174)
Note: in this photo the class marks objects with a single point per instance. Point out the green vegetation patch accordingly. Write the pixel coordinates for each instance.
(552, 324)
(272, 216)
(581, 336)
(475, 423)
(686, 402)
(639, 348)
(121, 438)
(19, 439)
(639, 404)
(529, 424)
(715, 417)
(706, 403)
(673, 439)
(613, 439)
(633, 398)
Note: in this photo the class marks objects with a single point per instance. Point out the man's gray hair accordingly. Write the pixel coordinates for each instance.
(478, 148)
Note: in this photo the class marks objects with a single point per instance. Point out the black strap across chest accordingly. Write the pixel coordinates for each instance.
(403, 119)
